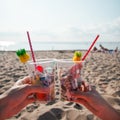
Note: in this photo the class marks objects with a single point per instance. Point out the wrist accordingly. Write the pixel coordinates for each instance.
(3, 107)
(108, 113)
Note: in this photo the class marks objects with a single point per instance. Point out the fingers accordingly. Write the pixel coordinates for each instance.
(25, 80)
(85, 86)
(35, 89)
(85, 91)
(79, 95)
(24, 91)
(88, 95)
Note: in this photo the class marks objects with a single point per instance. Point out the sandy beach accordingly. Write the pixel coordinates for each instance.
(100, 69)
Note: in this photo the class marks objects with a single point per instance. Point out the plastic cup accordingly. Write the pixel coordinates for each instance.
(70, 77)
(42, 73)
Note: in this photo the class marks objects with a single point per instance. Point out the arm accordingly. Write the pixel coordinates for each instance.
(16, 98)
(92, 100)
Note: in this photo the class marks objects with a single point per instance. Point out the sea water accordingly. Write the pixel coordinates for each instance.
(58, 45)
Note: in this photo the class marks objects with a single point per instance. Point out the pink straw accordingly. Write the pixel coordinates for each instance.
(90, 48)
(30, 44)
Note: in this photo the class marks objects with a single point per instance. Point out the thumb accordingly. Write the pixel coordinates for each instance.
(79, 94)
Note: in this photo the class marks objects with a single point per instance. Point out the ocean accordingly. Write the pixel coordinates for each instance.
(57, 45)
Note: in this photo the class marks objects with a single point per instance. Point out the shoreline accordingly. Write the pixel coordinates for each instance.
(45, 50)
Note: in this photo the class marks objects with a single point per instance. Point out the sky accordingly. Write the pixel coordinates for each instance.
(59, 20)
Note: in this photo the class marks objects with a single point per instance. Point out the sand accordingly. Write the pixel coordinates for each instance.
(100, 69)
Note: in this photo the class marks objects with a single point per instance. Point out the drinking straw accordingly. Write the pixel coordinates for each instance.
(30, 44)
(90, 48)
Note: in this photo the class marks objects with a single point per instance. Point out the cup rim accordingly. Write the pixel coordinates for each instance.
(69, 61)
(48, 60)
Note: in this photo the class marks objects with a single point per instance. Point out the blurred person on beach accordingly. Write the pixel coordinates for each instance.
(108, 50)
(95, 49)
(19, 96)
(105, 50)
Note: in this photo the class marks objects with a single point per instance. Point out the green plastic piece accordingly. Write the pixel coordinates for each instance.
(21, 52)
(78, 54)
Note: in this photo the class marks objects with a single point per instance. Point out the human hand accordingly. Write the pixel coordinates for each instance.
(17, 97)
(92, 100)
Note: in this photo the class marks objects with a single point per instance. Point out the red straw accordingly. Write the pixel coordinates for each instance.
(90, 48)
(33, 57)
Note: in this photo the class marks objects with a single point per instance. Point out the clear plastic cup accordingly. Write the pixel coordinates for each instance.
(42, 73)
(70, 77)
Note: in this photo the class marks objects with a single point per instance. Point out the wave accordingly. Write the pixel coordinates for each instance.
(6, 43)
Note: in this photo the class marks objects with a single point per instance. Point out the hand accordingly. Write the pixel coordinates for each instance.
(92, 100)
(16, 98)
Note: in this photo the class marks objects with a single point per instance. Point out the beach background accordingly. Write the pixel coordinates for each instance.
(100, 69)
(57, 29)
